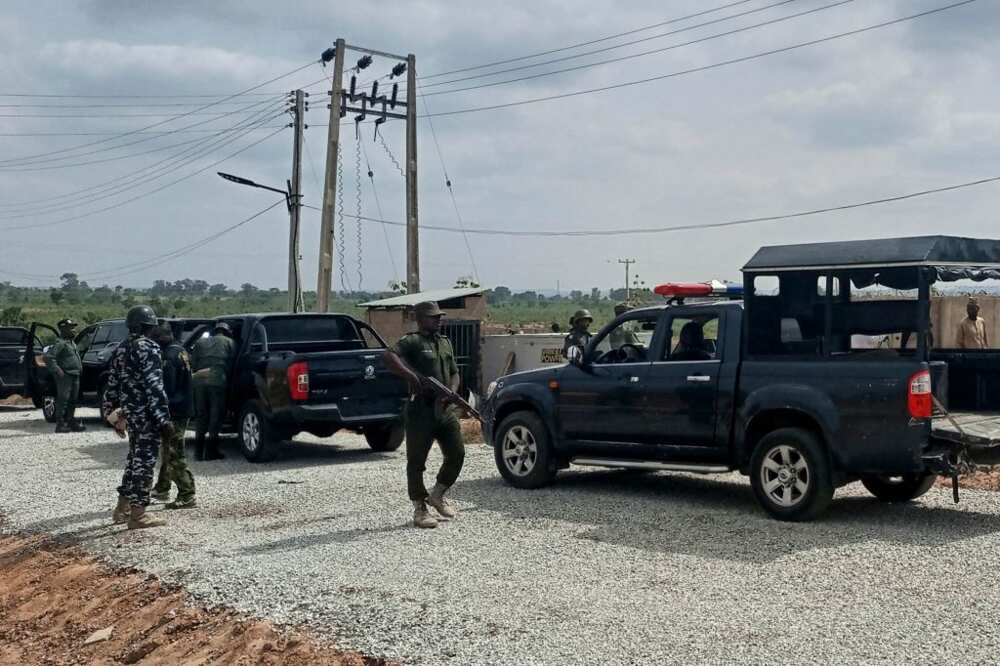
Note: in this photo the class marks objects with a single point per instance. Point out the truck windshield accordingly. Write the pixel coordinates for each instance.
(312, 334)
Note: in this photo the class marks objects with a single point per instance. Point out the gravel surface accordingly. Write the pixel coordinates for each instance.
(603, 567)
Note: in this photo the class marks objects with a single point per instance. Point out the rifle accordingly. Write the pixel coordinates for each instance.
(447, 394)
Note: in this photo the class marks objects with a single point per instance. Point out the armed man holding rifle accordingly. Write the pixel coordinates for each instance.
(420, 358)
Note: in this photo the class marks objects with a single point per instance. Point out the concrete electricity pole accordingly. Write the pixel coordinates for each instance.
(295, 302)
(412, 228)
(628, 263)
(325, 278)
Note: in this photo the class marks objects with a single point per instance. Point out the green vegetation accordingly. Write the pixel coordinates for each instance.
(523, 311)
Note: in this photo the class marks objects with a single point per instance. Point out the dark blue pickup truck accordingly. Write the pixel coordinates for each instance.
(823, 375)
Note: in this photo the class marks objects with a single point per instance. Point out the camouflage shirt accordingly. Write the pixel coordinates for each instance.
(135, 384)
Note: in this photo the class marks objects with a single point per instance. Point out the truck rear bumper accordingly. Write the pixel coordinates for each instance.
(304, 415)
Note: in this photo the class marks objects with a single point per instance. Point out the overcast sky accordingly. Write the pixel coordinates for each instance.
(895, 110)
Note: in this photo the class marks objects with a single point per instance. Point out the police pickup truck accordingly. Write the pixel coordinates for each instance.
(822, 375)
(316, 373)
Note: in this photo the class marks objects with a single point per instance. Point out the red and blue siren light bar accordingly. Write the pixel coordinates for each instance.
(711, 289)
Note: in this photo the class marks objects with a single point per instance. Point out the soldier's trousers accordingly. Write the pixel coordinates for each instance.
(173, 465)
(67, 393)
(210, 405)
(423, 426)
(143, 445)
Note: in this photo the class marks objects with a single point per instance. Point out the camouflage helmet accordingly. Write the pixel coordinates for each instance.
(621, 308)
(140, 317)
(66, 324)
(581, 314)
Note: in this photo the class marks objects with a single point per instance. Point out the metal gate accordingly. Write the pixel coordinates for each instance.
(464, 337)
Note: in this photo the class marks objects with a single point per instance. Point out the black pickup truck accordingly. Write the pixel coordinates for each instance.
(316, 373)
(96, 344)
(13, 346)
(821, 376)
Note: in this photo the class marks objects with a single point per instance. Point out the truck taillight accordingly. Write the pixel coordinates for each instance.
(919, 398)
(298, 380)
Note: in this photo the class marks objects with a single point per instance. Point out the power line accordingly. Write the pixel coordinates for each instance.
(22, 162)
(378, 207)
(451, 193)
(690, 227)
(704, 68)
(159, 133)
(113, 187)
(641, 54)
(166, 121)
(138, 266)
(686, 28)
(587, 43)
(143, 195)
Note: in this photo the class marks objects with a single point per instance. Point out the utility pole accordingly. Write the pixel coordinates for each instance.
(628, 263)
(295, 303)
(325, 278)
(412, 228)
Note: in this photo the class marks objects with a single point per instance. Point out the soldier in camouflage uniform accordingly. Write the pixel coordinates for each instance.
(135, 385)
(427, 353)
(63, 361)
(623, 335)
(210, 361)
(177, 385)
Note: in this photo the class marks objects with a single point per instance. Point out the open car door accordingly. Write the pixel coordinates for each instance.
(38, 382)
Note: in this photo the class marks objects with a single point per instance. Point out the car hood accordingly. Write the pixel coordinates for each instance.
(539, 375)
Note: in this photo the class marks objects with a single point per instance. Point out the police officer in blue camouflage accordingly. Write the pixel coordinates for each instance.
(135, 386)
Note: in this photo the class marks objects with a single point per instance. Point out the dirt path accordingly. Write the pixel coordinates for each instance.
(54, 596)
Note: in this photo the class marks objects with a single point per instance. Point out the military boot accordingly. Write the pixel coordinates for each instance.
(436, 499)
(62, 427)
(422, 517)
(120, 514)
(199, 447)
(187, 503)
(138, 519)
(212, 452)
(160, 496)
(77, 426)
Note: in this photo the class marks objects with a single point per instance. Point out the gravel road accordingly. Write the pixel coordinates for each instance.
(603, 567)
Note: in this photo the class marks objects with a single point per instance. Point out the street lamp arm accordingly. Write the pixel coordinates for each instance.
(246, 181)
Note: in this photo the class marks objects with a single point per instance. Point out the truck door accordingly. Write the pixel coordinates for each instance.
(38, 383)
(602, 399)
(682, 388)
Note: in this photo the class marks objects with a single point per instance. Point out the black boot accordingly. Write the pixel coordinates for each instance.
(77, 426)
(61, 427)
(213, 452)
(199, 447)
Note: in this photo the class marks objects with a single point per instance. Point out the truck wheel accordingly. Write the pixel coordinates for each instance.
(258, 438)
(790, 475)
(49, 407)
(901, 488)
(384, 436)
(523, 451)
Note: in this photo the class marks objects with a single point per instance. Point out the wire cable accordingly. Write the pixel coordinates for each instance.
(339, 236)
(451, 193)
(587, 43)
(710, 225)
(661, 35)
(378, 207)
(641, 54)
(145, 194)
(181, 160)
(168, 120)
(704, 68)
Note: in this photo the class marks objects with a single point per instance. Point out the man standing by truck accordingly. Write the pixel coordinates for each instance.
(418, 356)
(177, 385)
(210, 360)
(972, 329)
(135, 389)
(63, 361)
(579, 334)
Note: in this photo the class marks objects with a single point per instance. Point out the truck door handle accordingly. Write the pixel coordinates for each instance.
(699, 378)
(632, 379)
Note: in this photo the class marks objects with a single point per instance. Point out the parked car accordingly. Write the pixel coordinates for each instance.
(774, 386)
(96, 344)
(13, 345)
(316, 373)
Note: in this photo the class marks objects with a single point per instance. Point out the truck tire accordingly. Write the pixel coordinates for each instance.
(522, 450)
(384, 436)
(49, 407)
(258, 438)
(790, 475)
(902, 488)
